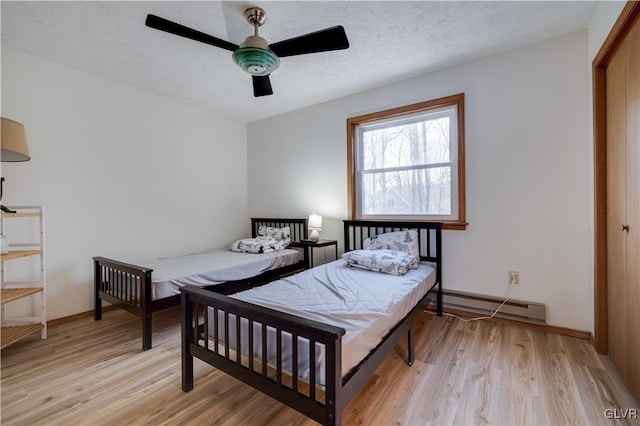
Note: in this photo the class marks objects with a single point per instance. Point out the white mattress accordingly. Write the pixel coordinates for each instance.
(212, 267)
(366, 304)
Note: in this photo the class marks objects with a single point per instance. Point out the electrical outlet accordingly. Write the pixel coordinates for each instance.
(514, 277)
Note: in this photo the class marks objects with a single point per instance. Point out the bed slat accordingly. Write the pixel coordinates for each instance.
(312, 370)
(279, 356)
(205, 337)
(238, 341)
(264, 350)
(294, 362)
(251, 347)
(226, 334)
(216, 337)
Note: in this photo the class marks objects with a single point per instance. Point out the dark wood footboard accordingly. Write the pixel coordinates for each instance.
(319, 398)
(130, 286)
(263, 374)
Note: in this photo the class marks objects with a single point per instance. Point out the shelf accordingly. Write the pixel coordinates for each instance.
(12, 334)
(11, 290)
(16, 254)
(22, 214)
(10, 294)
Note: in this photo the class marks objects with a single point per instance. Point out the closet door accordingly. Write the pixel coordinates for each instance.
(623, 209)
(633, 208)
(616, 211)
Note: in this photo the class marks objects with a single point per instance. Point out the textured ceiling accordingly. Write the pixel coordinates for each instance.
(390, 41)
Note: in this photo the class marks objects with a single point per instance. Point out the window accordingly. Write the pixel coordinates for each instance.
(407, 163)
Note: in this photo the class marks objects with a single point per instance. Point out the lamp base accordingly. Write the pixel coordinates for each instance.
(6, 210)
(314, 235)
(3, 208)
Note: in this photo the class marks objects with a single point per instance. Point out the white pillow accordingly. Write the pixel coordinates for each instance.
(277, 233)
(406, 241)
(381, 260)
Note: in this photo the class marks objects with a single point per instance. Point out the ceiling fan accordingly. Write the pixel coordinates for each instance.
(255, 55)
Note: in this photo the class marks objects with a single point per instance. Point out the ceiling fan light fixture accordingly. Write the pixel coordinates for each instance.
(255, 56)
(256, 60)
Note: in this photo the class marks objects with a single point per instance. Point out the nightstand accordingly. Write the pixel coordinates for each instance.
(308, 247)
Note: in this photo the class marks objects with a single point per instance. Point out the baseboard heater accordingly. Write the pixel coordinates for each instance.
(519, 310)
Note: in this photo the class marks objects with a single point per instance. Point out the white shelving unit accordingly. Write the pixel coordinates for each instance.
(17, 328)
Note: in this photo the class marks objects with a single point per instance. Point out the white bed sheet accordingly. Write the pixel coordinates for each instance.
(212, 267)
(366, 304)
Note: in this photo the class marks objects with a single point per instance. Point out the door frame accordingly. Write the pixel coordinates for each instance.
(628, 17)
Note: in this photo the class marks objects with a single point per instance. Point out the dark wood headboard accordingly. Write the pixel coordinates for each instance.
(298, 227)
(429, 235)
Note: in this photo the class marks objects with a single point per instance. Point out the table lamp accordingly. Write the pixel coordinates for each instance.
(14, 147)
(315, 225)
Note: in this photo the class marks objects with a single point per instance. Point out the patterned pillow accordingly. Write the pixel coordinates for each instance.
(381, 260)
(262, 244)
(277, 233)
(406, 241)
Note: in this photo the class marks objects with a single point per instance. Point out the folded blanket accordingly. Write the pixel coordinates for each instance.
(263, 244)
(386, 261)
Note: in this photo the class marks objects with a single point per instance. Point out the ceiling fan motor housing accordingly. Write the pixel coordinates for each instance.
(256, 60)
(254, 55)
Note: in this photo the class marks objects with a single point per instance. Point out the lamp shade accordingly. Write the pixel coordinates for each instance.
(14, 141)
(315, 221)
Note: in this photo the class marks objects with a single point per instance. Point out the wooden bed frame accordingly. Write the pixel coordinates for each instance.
(129, 286)
(324, 405)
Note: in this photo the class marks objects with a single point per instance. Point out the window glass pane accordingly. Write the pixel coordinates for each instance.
(426, 141)
(408, 192)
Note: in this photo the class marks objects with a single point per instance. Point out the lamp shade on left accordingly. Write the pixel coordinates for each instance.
(315, 221)
(14, 141)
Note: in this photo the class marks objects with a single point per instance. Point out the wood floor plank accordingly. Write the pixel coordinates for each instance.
(442, 396)
(588, 371)
(521, 372)
(480, 404)
(89, 372)
(519, 408)
(561, 394)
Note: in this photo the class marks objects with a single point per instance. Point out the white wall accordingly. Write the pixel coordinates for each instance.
(121, 172)
(527, 172)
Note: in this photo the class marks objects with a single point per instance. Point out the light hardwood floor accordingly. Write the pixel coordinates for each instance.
(94, 373)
